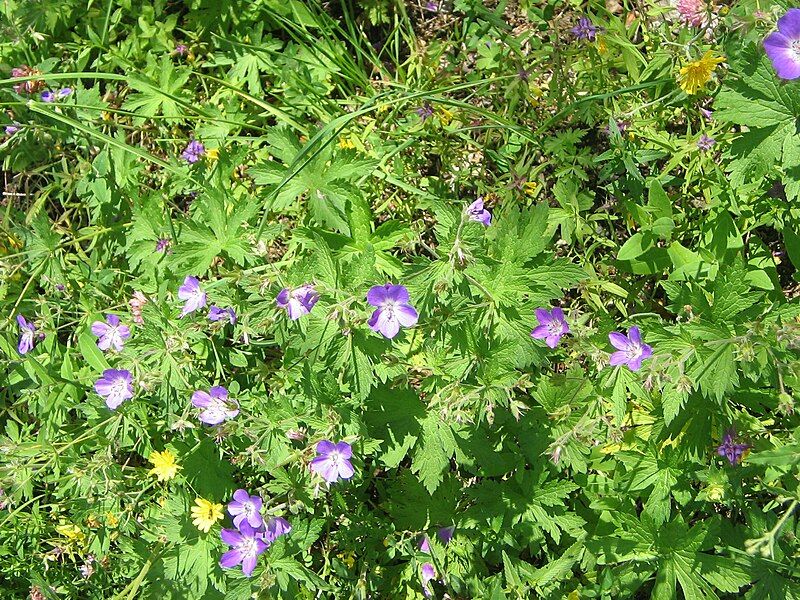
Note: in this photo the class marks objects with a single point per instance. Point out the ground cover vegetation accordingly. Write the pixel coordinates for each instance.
(399, 299)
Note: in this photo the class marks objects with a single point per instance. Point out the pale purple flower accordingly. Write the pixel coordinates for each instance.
(425, 111)
(333, 461)
(706, 143)
(112, 333)
(730, 449)
(707, 114)
(783, 46)
(246, 546)
(478, 213)
(585, 30)
(298, 301)
(115, 386)
(445, 534)
(432, 6)
(192, 294)
(163, 244)
(631, 350)
(181, 49)
(64, 92)
(393, 309)
(245, 508)
(693, 12)
(194, 151)
(428, 573)
(12, 129)
(215, 313)
(27, 335)
(275, 528)
(552, 326)
(216, 405)
(47, 96)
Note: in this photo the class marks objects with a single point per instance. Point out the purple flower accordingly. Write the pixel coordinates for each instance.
(432, 6)
(425, 111)
(181, 49)
(163, 244)
(445, 534)
(478, 213)
(707, 114)
(428, 573)
(246, 545)
(192, 294)
(27, 335)
(215, 313)
(298, 301)
(276, 527)
(47, 96)
(194, 151)
(393, 309)
(783, 46)
(246, 508)
(631, 350)
(12, 129)
(216, 405)
(64, 92)
(730, 449)
(705, 143)
(552, 325)
(333, 461)
(112, 333)
(115, 386)
(585, 30)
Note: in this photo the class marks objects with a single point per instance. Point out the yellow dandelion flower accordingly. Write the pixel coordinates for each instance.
(346, 144)
(696, 74)
(164, 465)
(71, 532)
(205, 514)
(445, 116)
(212, 154)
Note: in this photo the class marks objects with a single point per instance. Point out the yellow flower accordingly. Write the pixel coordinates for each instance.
(164, 465)
(445, 116)
(530, 187)
(696, 74)
(205, 514)
(111, 519)
(602, 47)
(71, 532)
(346, 144)
(212, 154)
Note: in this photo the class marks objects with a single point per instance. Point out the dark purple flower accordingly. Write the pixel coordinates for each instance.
(393, 309)
(631, 350)
(552, 325)
(194, 151)
(585, 30)
(428, 573)
(47, 96)
(27, 335)
(13, 128)
(192, 294)
(783, 46)
(333, 461)
(523, 74)
(215, 313)
(112, 333)
(275, 528)
(445, 534)
(298, 301)
(245, 508)
(115, 386)
(432, 6)
(622, 127)
(64, 92)
(425, 111)
(478, 213)
(730, 449)
(705, 143)
(216, 405)
(246, 545)
(181, 49)
(163, 244)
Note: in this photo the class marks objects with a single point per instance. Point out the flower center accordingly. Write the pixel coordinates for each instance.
(248, 547)
(119, 387)
(554, 327)
(334, 457)
(796, 48)
(390, 306)
(633, 351)
(248, 508)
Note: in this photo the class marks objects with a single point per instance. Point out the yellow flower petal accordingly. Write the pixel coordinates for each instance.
(205, 513)
(164, 465)
(696, 74)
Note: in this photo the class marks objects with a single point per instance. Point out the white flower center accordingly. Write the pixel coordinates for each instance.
(335, 458)
(633, 351)
(554, 327)
(118, 388)
(248, 508)
(248, 547)
(390, 306)
(796, 48)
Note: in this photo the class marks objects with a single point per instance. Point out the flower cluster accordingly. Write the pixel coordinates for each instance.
(252, 535)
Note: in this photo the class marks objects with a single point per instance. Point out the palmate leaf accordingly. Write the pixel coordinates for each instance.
(768, 111)
(160, 93)
(432, 456)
